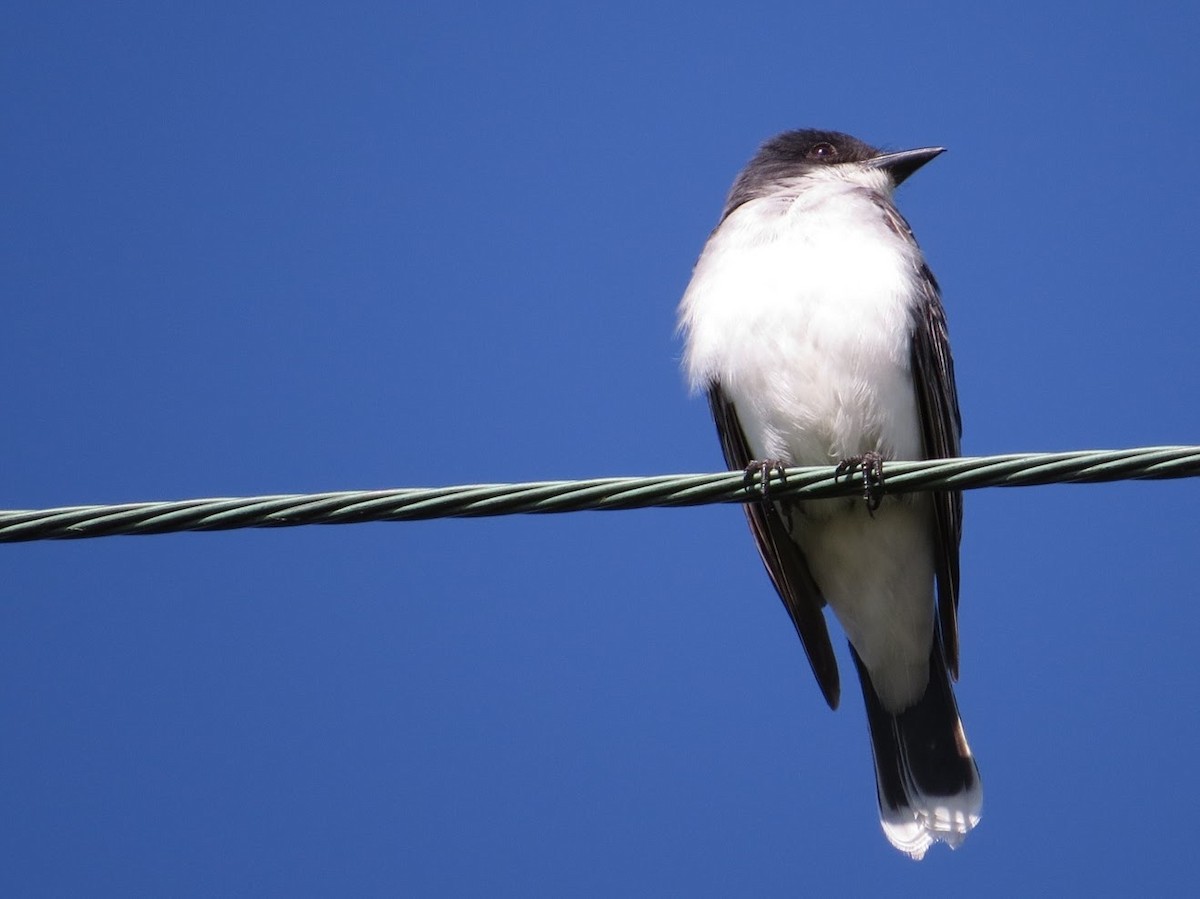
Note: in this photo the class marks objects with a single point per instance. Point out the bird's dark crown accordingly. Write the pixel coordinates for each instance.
(810, 147)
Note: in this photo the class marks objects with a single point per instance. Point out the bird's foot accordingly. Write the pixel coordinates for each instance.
(871, 466)
(764, 470)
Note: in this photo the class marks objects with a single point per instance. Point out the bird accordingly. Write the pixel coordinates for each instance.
(815, 327)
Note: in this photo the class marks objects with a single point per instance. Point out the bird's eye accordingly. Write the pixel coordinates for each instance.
(822, 150)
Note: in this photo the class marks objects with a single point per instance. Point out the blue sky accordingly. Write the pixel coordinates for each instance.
(264, 247)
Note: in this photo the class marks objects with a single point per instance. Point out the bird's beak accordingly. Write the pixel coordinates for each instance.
(901, 165)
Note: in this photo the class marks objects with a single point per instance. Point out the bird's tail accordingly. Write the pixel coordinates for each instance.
(928, 785)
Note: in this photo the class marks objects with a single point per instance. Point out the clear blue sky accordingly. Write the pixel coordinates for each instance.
(276, 247)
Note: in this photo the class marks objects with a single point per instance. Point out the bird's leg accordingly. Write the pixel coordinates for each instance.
(871, 466)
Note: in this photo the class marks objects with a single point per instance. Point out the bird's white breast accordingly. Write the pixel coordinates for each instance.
(800, 307)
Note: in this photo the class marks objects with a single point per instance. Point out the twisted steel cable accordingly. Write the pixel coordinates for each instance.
(477, 500)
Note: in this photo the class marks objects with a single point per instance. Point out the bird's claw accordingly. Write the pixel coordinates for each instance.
(764, 470)
(871, 466)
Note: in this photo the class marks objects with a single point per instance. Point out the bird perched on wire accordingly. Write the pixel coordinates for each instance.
(815, 327)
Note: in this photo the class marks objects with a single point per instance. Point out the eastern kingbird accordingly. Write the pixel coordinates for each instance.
(816, 329)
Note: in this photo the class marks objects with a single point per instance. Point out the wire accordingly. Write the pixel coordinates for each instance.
(477, 500)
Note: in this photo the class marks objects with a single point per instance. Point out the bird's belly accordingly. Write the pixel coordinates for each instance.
(828, 381)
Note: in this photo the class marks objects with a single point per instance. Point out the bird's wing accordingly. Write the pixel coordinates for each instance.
(783, 559)
(941, 430)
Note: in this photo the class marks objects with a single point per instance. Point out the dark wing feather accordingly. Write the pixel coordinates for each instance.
(941, 430)
(783, 559)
